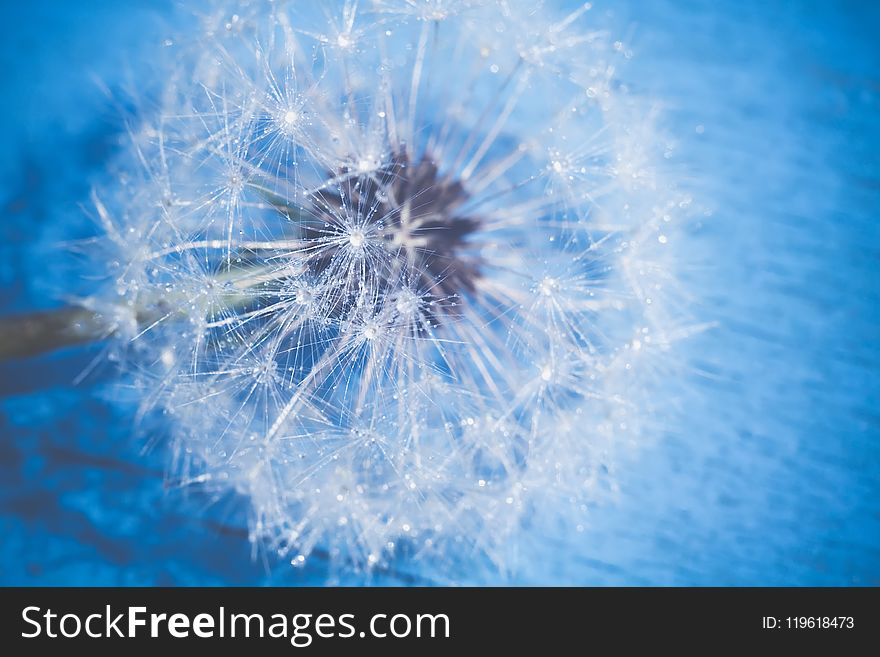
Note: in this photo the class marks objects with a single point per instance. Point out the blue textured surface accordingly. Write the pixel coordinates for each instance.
(771, 477)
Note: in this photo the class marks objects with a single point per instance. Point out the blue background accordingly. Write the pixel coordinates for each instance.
(770, 476)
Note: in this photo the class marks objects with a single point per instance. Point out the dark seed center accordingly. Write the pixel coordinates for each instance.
(413, 211)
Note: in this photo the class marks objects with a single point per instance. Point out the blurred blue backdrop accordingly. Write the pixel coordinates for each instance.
(772, 475)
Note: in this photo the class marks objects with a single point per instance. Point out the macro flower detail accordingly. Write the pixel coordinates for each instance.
(399, 274)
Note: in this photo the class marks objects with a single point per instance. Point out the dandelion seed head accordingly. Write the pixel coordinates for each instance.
(411, 243)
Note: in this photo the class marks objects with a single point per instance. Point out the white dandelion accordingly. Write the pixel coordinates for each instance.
(399, 272)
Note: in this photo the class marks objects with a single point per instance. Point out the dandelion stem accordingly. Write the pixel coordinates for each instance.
(32, 334)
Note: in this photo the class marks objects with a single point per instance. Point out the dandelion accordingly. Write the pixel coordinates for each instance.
(399, 272)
